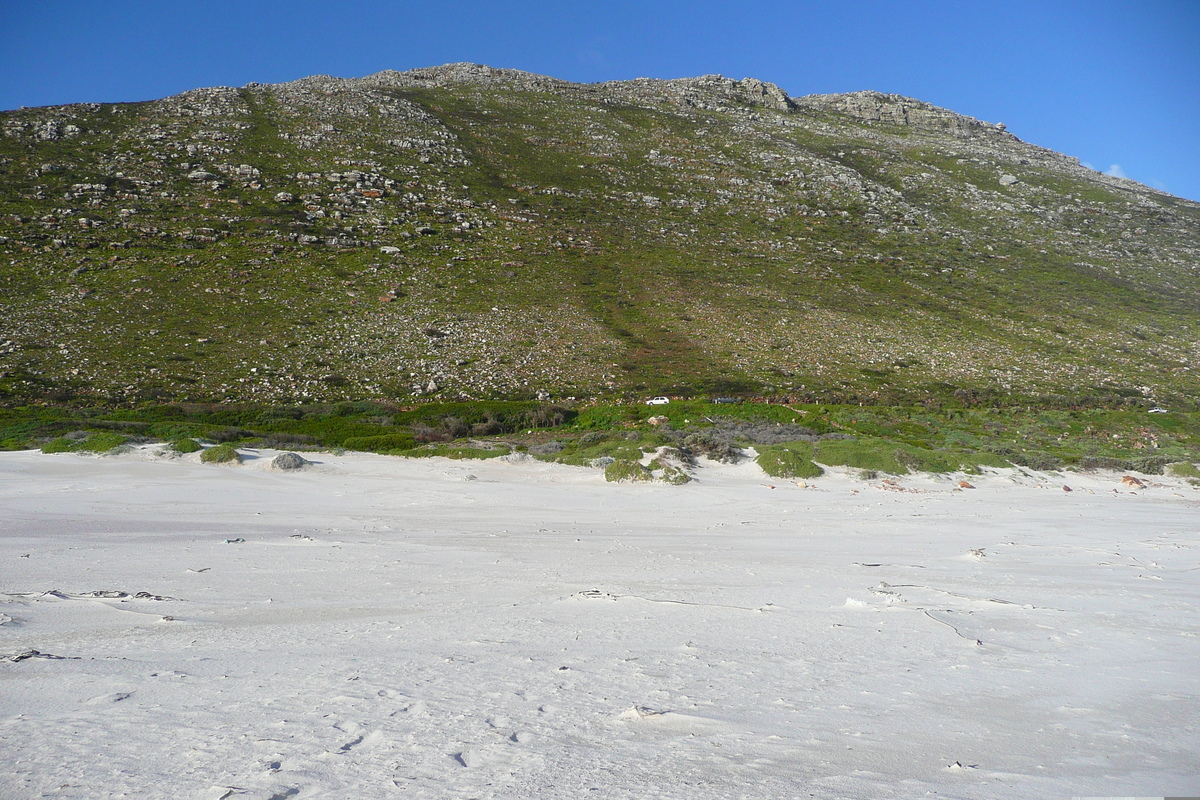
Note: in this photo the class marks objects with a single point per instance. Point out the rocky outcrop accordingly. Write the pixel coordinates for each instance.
(894, 109)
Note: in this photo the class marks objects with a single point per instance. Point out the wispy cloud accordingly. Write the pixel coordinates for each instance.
(1089, 165)
(1116, 171)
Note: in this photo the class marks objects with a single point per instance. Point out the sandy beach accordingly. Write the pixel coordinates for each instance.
(378, 627)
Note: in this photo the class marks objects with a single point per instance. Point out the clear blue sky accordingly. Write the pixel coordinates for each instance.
(1116, 84)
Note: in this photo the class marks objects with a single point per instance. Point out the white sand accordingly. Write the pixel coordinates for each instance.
(395, 628)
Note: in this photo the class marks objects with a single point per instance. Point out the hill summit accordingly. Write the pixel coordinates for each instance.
(463, 232)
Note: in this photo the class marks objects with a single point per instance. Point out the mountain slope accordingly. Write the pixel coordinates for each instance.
(463, 231)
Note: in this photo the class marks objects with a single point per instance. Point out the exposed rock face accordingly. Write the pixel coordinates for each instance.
(894, 109)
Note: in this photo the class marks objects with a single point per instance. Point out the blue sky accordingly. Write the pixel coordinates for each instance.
(1116, 84)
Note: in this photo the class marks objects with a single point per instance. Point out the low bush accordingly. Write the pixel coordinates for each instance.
(60, 445)
(185, 445)
(626, 471)
(716, 444)
(456, 451)
(221, 454)
(230, 434)
(381, 444)
(782, 461)
(868, 454)
(1150, 465)
(81, 442)
(1100, 462)
(1182, 469)
(620, 446)
(102, 443)
(884, 456)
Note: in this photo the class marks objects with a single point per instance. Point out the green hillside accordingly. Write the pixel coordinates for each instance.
(462, 233)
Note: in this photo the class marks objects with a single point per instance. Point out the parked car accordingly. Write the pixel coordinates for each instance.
(726, 400)
(658, 401)
(1157, 410)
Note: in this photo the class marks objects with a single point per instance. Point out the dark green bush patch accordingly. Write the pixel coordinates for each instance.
(625, 470)
(221, 454)
(185, 445)
(788, 461)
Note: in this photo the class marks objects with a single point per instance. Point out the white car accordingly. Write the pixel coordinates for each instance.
(658, 401)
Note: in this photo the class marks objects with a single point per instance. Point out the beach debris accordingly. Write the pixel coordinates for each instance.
(1132, 482)
(238, 540)
(639, 712)
(37, 654)
(965, 485)
(1066, 488)
(99, 594)
(596, 594)
(977, 554)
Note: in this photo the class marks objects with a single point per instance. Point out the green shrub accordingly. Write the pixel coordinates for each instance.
(1101, 462)
(622, 446)
(1151, 465)
(676, 476)
(714, 444)
(60, 445)
(185, 445)
(101, 442)
(783, 461)
(382, 443)
(93, 443)
(877, 455)
(625, 470)
(221, 454)
(1182, 469)
(1044, 462)
(668, 472)
(455, 452)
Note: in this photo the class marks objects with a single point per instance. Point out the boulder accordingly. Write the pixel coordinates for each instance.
(289, 461)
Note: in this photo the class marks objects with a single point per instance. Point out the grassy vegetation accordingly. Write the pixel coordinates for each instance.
(185, 445)
(791, 440)
(90, 443)
(221, 454)
(404, 269)
(1182, 469)
(625, 470)
(456, 451)
(614, 246)
(788, 461)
